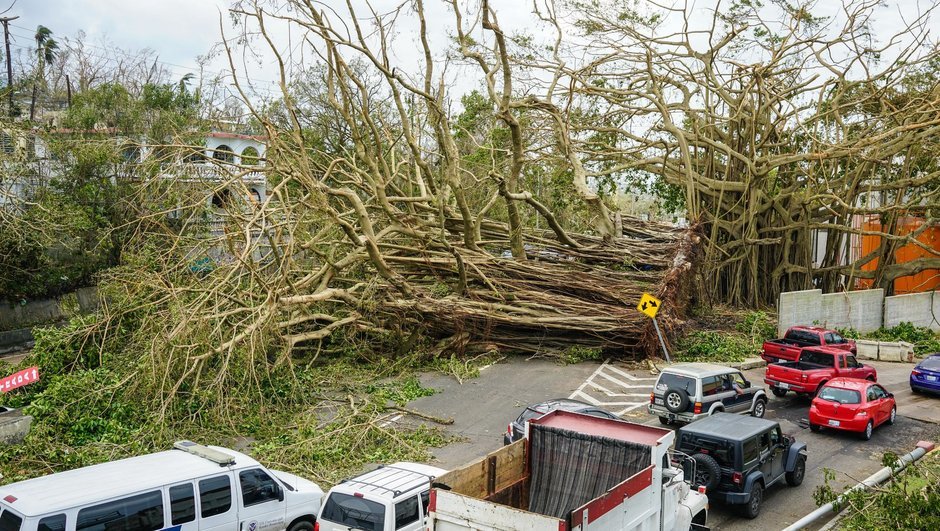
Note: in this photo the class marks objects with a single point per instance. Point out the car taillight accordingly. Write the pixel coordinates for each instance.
(316, 526)
(861, 413)
(701, 489)
(651, 398)
(736, 478)
(509, 430)
(698, 408)
(915, 372)
(803, 377)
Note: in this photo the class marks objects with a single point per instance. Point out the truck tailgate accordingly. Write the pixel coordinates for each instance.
(450, 511)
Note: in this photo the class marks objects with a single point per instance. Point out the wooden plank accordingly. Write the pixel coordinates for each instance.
(472, 478)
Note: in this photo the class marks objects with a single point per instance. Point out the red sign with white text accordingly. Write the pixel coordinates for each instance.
(24, 377)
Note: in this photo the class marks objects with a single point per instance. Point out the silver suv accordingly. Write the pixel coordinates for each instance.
(689, 391)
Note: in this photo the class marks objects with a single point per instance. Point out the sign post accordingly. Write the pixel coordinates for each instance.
(649, 306)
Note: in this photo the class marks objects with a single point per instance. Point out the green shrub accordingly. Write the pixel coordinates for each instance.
(924, 339)
(715, 346)
(758, 326)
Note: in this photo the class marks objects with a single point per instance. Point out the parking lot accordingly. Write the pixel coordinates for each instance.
(482, 408)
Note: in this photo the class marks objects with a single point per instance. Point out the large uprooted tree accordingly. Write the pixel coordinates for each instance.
(390, 218)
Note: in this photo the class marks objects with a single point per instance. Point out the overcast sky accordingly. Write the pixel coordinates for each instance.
(180, 30)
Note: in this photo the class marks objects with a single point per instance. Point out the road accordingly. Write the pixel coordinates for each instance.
(482, 408)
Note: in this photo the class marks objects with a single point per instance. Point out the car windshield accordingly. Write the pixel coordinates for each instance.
(842, 396)
(931, 364)
(675, 381)
(354, 511)
(532, 412)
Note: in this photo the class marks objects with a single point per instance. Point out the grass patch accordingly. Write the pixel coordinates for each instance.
(712, 346)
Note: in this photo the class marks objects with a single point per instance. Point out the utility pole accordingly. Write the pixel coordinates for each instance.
(68, 88)
(6, 38)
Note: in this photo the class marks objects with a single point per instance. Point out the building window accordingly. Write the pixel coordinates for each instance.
(130, 154)
(250, 156)
(222, 198)
(224, 154)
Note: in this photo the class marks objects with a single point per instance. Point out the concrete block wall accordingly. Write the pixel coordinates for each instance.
(921, 309)
(861, 310)
(798, 308)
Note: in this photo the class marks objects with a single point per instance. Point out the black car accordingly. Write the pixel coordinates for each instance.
(516, 429)
(738, 457)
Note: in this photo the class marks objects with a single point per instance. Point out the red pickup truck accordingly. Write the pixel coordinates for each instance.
(788, 347)
(816, 366)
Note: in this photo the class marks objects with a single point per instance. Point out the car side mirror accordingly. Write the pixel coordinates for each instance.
(747, 384)
(688, 469)
(890, 395)
(280, 492)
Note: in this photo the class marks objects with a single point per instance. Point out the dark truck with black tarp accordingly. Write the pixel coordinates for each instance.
(572, 472)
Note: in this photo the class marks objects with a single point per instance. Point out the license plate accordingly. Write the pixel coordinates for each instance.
(782, 385)
(931, 378)
(834, 423)
(658, 401)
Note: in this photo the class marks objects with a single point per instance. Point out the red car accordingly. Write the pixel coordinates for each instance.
(852, 404)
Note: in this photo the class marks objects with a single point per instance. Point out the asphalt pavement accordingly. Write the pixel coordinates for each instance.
(482, 408)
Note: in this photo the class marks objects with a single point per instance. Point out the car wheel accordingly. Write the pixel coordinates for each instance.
(752, 508)
(869, 428)
(915, 390)
(894, 415)
(676, 400)
(778, 392)
(760, 408)
(301, 526)
(818, 389)
(665, 421)
(707, 472)
(795, 476)
(814, 427)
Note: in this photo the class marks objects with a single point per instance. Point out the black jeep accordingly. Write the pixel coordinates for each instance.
(737, 457)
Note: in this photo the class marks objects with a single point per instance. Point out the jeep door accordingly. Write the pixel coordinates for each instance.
(773, 454)
(260, 504)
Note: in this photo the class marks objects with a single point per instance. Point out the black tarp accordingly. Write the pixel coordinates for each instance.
(569, 469)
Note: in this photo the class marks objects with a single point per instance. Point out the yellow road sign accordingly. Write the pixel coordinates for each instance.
(649, 305)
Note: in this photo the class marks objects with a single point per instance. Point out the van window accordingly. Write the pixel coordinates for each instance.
(52, 523)
(257, 487)
(182, 503)
(215, 496)
(354, 512)
(406, 512)
(143, 512)
(425, 500)
(10, 522)
(711, 385)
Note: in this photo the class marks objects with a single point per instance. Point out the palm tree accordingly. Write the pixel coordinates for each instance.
(46, 48)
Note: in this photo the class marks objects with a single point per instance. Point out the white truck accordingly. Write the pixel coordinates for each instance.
(572, 472)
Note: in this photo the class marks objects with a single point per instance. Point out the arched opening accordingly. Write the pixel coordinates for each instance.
(250, 156)
(194, 156)
(222, 198)
(224, 154)
(255, 197)
(130, 154)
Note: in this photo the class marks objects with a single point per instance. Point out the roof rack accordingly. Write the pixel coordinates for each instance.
(220, 458)
(394, 492)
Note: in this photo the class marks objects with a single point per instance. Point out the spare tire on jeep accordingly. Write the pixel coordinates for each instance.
(676, 400)
(707, 472)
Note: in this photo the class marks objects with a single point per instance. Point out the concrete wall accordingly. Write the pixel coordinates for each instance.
(863, 310)
(921, 309)
(15, 315)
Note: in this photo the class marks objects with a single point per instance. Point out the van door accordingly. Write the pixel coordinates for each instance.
(216, 511)
(182, 498)
(261, 501)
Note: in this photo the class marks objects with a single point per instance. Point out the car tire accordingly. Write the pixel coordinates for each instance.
(665, 421)
(819, 387)
(751, 509)
(301, 526)
(915, 390)
(814, 427)
(707, 472)
(893, 417)
(676, 400)
(869, 428)
(760, 407)
(778, 392)
(795, 476)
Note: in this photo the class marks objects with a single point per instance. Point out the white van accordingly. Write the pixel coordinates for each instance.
(189, 488)
(390, 498)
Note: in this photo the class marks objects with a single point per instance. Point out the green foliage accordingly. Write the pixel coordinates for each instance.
(925, 340)
(399, 393)
(758, 326)
(715, 346)
(577, 354)
(909, 501)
